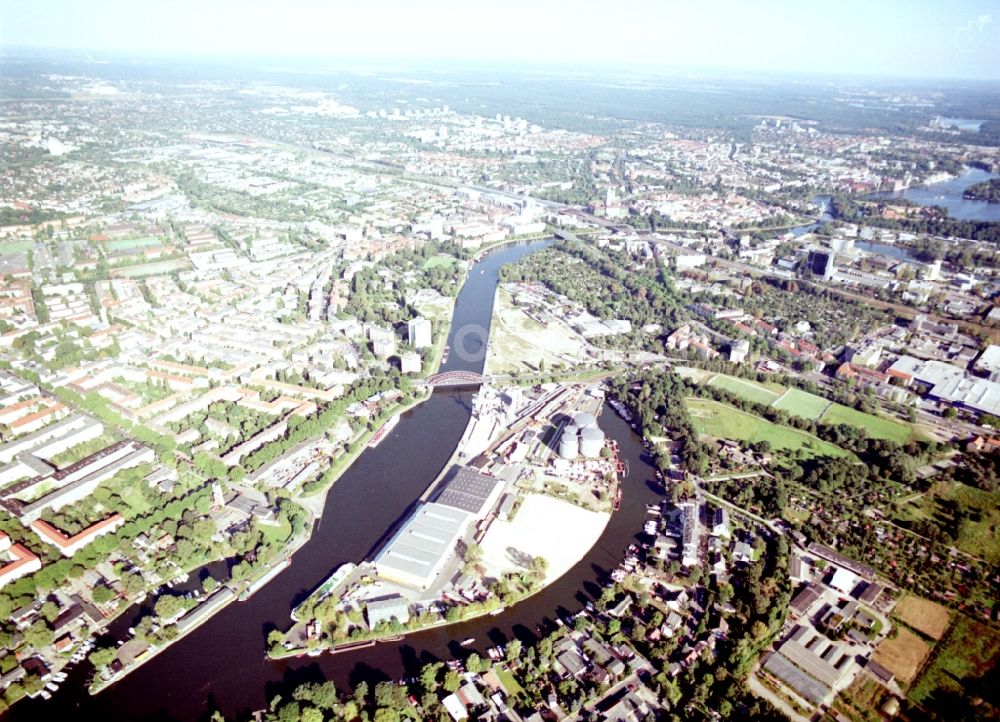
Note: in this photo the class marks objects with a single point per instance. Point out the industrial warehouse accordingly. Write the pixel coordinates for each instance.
(417, 553)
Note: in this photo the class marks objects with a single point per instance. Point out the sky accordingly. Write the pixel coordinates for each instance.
(915, 38)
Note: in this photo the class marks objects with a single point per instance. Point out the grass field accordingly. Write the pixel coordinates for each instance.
(801, 403)
(9, 249)
(968, 515)
(123, 243)
(745, 389)
(961, 669)
(152, 269)
(508, 680)
(927, 617)
(878, 427)
(276, 534)
(699, 376)
(861, 700)
(903, 654)
(441, 260)
(722, 421)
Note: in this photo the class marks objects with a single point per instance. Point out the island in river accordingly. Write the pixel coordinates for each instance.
(988, 190)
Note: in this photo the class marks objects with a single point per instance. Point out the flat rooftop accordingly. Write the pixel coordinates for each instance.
(469, 491)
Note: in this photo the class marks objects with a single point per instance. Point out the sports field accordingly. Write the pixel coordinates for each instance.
(441, 260)
(801, 403)
(122, 243)
(722, 421)
(152, 269)
(9, 249)
(745, 389)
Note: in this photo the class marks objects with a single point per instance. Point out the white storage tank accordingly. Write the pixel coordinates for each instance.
(583, 420)
(569, 443)
(591, 442)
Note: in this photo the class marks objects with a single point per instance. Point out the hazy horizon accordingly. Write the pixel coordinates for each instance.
(933, 41)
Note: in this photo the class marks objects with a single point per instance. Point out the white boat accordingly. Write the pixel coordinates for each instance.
(467, 642)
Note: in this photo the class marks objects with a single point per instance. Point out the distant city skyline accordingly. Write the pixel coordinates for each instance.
(901, 39)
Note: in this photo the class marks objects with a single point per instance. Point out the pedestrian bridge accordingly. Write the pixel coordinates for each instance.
(457, 378)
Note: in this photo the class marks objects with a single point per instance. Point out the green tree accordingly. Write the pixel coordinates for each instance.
(39, 634)
(102, 594)
(102, 656)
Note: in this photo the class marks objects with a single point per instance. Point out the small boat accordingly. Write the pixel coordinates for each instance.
(618, 499)
(384, 431)
(467, 642)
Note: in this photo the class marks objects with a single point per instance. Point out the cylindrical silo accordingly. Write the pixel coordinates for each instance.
(591, 442)
(569, 444)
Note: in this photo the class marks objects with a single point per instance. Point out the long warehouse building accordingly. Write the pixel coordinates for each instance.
(417, 553)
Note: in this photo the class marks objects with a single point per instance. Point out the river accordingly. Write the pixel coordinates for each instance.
(949, 195)
(222, 664)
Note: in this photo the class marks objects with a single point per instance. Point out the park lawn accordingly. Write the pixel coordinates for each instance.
(878, 427)
(929, 618)
(726, 422)
(975, 531)
(745, 389)
(902, 654)
(505, 676)
(276, 534)
(9, 249)
(960, 668)
(802, 403)
(699, 376)
(137, 503)
(441, 260)
(123, 243)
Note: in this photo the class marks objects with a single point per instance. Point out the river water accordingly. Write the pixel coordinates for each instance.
(949, 196)
(223, 664)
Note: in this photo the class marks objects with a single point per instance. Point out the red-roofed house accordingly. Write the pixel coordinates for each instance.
(21, 561)
(70, 545)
